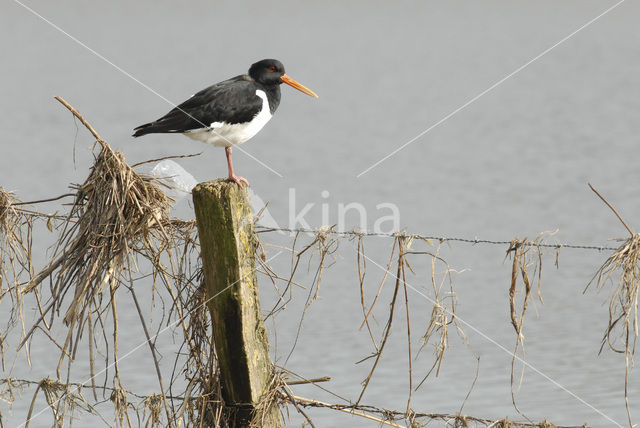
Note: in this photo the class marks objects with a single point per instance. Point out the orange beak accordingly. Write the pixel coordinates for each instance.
(289, 81)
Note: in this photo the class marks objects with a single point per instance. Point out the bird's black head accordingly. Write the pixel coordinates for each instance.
(271, 72)
(267, 72)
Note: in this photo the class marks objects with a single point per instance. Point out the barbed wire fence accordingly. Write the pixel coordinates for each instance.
(119, 234)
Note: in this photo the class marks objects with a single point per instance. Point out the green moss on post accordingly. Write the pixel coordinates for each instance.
(227, 240)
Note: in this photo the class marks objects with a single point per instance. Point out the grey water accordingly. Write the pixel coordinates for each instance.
(512, 161)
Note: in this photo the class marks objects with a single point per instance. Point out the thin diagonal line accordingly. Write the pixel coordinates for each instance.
(481, 333)
(256, 159)
(490, 88)
(144, 85)
(173, 324)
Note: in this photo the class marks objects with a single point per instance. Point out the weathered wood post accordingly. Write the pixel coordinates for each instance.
(227, 241)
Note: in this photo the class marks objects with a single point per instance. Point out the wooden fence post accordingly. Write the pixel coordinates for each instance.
(227, 241)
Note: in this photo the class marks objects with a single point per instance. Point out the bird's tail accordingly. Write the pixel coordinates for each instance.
(161, 126)
(145, 129)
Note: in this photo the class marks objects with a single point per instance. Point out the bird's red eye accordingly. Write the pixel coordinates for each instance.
(272, 68)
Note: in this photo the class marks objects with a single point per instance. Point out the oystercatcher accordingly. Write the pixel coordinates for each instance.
(229, 112)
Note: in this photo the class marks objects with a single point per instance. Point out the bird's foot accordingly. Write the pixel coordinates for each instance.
(240, 181)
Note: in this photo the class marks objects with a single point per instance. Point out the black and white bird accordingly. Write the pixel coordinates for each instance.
(230, 112)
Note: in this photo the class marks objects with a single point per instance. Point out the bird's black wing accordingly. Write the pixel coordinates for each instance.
(231, 101)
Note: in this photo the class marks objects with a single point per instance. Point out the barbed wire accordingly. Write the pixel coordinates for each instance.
(359, 233)
(328, 230)
(14, 383)
(380, 415)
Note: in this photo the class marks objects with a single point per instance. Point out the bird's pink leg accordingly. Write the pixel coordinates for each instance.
(236, 179)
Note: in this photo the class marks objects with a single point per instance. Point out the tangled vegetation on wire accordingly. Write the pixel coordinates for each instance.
(119, 232)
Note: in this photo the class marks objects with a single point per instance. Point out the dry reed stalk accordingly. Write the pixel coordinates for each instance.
(417, 420)
(121, 405)
(15, 258)
(117, 216)
(623, 303)
(201, 366)
(322, 246)
(362, 271)
(523, 263)
(116, 209)
(443, 313)
(270, 399)
(351, 411)
(399, 240)
(154, 403)
(61, 399)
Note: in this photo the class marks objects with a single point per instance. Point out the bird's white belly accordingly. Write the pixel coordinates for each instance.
(223, 134)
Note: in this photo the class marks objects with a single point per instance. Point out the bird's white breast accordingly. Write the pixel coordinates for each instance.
(223, 134)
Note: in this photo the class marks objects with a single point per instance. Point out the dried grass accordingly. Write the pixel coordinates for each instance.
(385, 417)
(116, 213)
(526, 264)
(624, 264)
(622, 270)
(623, 304)
(443, 313)
(15, 259)
(120, 217)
